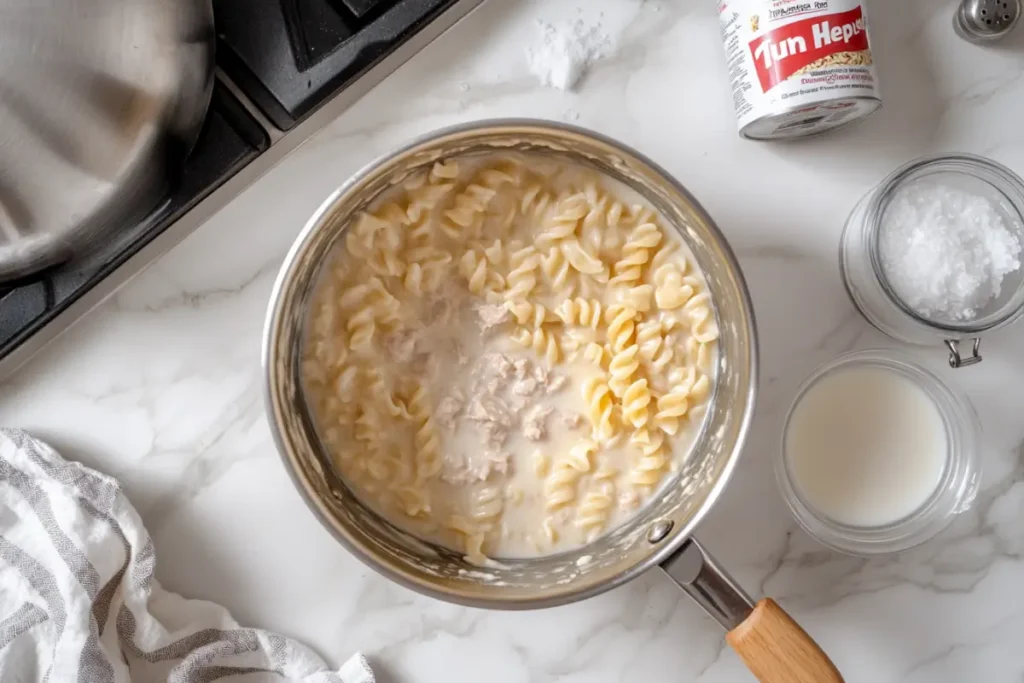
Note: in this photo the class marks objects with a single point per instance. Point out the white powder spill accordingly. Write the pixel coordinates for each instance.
(564, 52)
(946, 251)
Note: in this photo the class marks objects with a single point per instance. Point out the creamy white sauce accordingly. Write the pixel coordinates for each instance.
(504, 415)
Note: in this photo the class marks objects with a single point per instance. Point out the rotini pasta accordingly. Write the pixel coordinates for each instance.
(622, 369)
(557, 271)
(621, 326)
(522, 278)
(471, 536)
(649, 339)
(479, 276)
(636, 253)
(560, 486)
(638, 297)
(598, 355)
(652, 461)
(671, 292)
(698, 354)
(600, 405)
(456, 309)
(672, 407)
(635, 400)
(528, 313)
(465, 218)
(702, 323)
(564, 222)
(428, 450)
(594, 511)
(585, 312)
(543, 342)
(486, 505)
(535, 202)
(583, 261)
(361, 327)
(549, 527)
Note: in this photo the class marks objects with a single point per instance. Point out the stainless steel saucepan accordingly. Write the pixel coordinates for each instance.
(774, 647)
(100, 102)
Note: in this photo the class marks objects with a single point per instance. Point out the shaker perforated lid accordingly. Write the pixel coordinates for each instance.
(982, 21)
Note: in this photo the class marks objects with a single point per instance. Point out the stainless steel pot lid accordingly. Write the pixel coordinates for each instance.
(99, 101)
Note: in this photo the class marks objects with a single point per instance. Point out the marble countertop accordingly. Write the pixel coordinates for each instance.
(161, 386)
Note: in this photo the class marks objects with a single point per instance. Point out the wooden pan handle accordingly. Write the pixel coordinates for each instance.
(767, 639)
(777, 650)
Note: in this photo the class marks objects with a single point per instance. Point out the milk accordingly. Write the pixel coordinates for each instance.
(865, 446)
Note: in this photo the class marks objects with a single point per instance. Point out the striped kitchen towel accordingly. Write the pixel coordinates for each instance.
(79, 603)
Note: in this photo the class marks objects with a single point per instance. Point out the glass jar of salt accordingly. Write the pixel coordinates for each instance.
(933, 254)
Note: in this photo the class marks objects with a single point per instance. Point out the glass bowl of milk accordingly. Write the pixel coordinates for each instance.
(878, 454)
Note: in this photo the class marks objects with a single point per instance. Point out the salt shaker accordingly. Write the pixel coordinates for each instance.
(932, 255)
(986, 21)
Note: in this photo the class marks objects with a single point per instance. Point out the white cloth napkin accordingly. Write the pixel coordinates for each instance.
(78, 601)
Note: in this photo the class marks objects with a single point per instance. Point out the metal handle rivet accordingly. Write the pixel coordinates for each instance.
(659, 530)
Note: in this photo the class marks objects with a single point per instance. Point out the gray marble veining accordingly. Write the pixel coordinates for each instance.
(161, 386)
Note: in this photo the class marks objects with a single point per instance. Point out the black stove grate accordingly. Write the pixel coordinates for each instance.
(291, 55)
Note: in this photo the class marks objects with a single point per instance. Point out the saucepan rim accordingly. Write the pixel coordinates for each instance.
(277, 316)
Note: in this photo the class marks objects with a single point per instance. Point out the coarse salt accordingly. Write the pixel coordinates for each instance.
(945, 251)
(564, 52)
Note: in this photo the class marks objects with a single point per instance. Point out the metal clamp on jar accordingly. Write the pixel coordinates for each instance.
(881, 241)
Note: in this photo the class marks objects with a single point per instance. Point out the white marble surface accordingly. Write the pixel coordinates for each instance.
(161, 386)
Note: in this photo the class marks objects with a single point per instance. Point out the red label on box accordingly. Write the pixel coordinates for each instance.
(781, 52)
